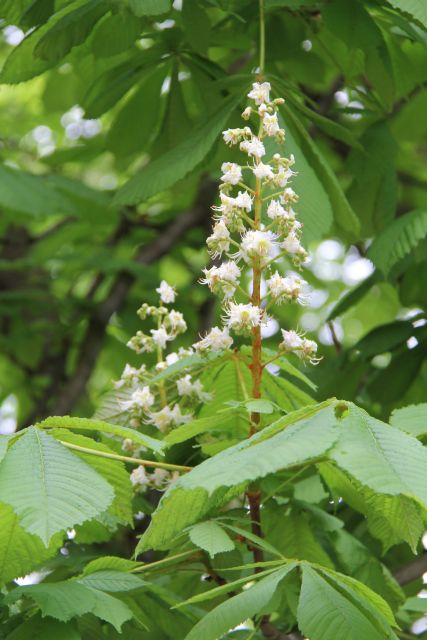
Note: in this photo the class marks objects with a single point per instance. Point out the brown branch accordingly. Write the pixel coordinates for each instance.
(412, 571)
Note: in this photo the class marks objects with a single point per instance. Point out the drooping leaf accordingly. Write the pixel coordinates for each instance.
(69, 599)
(20, 552)
(38, 628)
(398, 240)
(211, 537)
(174, 165)
(71, 30)
(47, 486)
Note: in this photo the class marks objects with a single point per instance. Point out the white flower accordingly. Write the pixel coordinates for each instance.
(253, 147)
(232, 172)
(233, 136)
(216, 340)
(288, 196)
(243, 200)
(258, 244)
(270, 124)
(291, 244)
(128, 445)
(171, 358)
(130, 375)
(243, 316)
(184, 386)
(160, 337)
(289, 287)
(167, 293)
(176, 321)
(160, 478)
(168, 417)
(138, 477)
(275, 211)
(219, 241)
(291, 341)
(282, 177)
(227, 203)
(140, 399)
(247, 113)
(260, 92)
(263, 171)
(309, 350)
(262, 110)
(222, 279)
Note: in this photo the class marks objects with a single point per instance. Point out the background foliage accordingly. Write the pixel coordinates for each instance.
(110, 116)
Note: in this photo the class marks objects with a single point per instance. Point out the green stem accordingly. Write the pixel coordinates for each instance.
(160, 563)
(242, 383)
(162, 390)
(261, 37)
(116, 456)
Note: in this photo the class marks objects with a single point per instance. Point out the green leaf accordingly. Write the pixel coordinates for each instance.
(137, 122)
(85, 424)
(197, 26)
(398, 240)
(259, 406)
(416, 8)
(342, 212)
(22, 64)
(112, 581)
(374, 454)
(115, 34)
(47, 486)
(113, 84)
(239, 608)
(292, 535)
(20, 552)
(149, 7)
(174, 165)
(68, 599)
(412, 419)
(211, 537)
(216, 422)
(293, 440)
(71, 30)
(351, 298)
(113, 471)
(24, 193)
(110, 562)
(37, 628)
(384, 338)
(324, 613)
(373, 192)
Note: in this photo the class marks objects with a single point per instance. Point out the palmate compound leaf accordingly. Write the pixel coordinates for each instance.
(332, 607)
(303, 436)
(388, 466)
(239, 608)
(48, 487)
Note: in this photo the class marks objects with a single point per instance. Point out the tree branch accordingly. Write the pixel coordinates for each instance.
(412, 571)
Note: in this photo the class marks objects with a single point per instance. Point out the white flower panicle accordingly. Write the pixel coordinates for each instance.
(256, 228)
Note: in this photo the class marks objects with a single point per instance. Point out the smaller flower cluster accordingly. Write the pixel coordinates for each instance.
(159, 479)
(151, 402)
